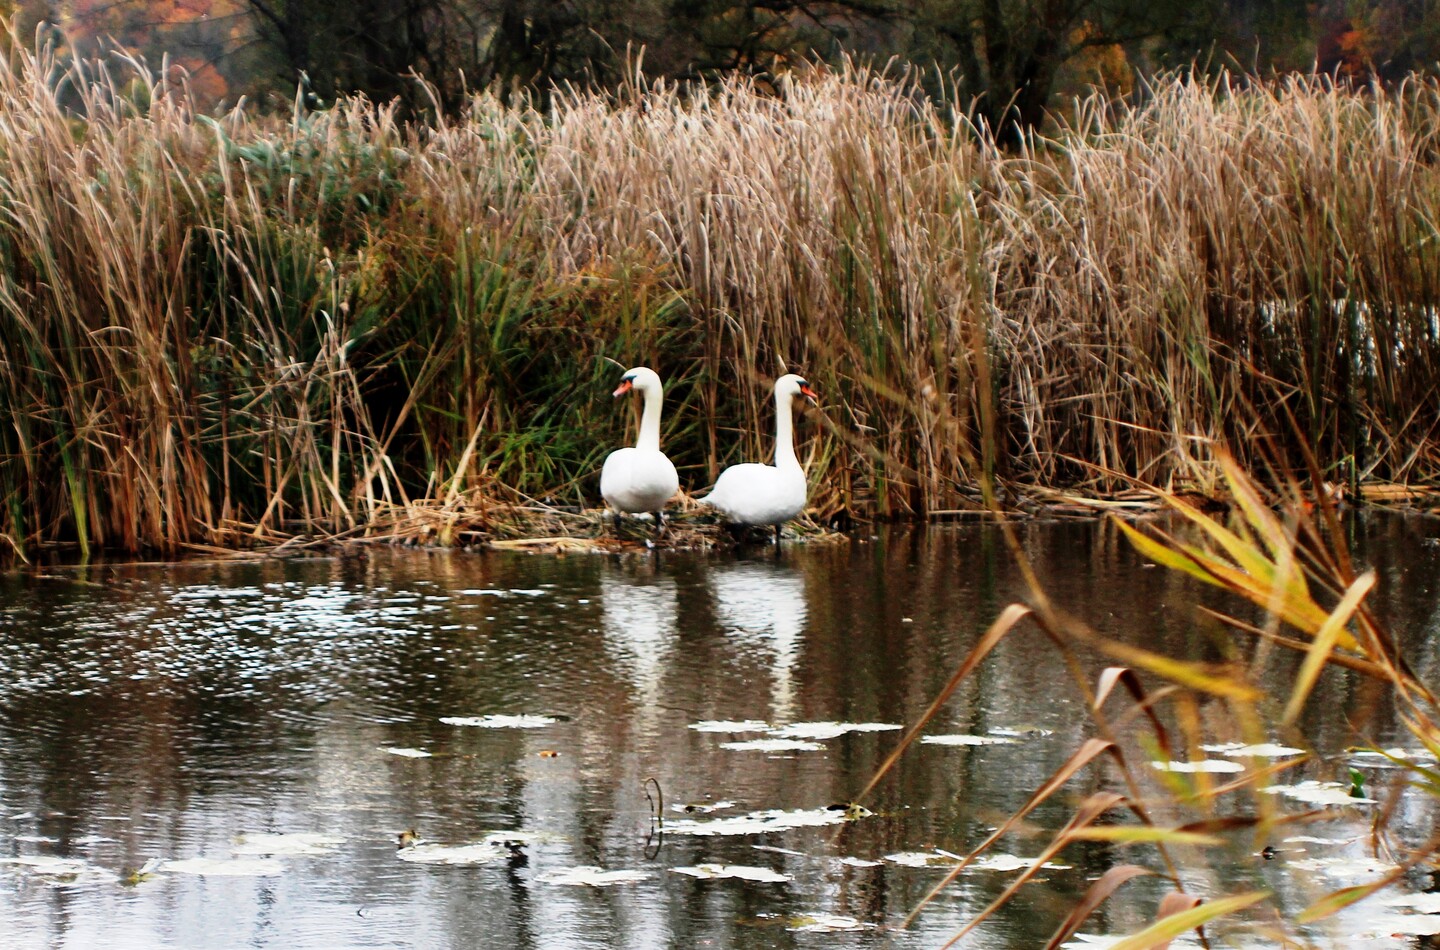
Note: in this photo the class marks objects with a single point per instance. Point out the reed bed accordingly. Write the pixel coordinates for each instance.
(221, 330)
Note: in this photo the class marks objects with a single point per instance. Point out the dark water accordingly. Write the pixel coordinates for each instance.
(161, 714)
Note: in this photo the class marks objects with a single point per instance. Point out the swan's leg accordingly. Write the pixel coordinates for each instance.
(659, 524)
(777, 537)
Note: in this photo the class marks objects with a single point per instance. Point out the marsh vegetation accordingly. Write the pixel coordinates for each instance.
(233, 330)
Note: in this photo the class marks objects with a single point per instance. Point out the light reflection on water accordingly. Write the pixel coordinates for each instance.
(155, 713)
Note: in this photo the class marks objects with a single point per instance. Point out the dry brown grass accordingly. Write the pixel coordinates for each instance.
(221, 331)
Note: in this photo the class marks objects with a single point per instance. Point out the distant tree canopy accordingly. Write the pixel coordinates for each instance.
(1009, 57)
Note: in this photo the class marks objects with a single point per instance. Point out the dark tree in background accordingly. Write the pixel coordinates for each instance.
(1007, 57)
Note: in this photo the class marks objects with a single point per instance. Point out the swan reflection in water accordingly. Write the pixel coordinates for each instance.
(763, 605)
(639, 617)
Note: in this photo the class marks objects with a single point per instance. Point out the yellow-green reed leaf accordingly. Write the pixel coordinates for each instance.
(1242, 551)
(1139, 834)
(1162, 554)
(1256, 512)
(1168, 928)
(1296, 607)
(1325, 639)
(1193, 675)
(1337, 901)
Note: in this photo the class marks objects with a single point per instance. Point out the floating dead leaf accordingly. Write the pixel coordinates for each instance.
(773, 745)
(1262, 750)
(740, 871)
(224, 867)
(774, 850)
(825, 923)
(1420, 903)
(459, 855)
(548, 754)
(1022, 732)
(859, 863)
(1312, 792)
(511, 839)
(1010, 862)
(701, 808)
(300, 843)
(1344, 867)
(50, 866)
(759, 822)
(1312, 839)
(1204, 765)
(591, 876)
(1407, 925)
(968, 740)
(730, 725)
(830, 730)
(500, 722)
(922, 859)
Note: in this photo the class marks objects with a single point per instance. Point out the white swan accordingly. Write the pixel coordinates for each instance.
(640, 479)
(755, 494)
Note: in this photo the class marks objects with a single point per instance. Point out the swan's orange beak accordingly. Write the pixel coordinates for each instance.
(625, 386)
(809, 394)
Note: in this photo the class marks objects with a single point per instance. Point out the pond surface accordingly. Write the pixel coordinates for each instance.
(170, 718)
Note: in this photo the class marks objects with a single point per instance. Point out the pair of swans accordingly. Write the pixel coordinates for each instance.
(641, 480)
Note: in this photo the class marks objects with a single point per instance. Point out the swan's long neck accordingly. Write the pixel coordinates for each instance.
(650, 421)
(784, 433)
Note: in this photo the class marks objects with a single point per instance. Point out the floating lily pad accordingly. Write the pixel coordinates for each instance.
(830, 730)
(759, 822)
(454, 855)
(224, 867)
(730, 725)
(590, 876)
(963, 739)
(1312, 792)
(300, 843)
(500, 722)
(406, 753)
(1204, 765)
(774, 745)
(741, 871)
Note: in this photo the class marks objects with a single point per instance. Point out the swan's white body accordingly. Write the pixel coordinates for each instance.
(640, 479)
(758, 494)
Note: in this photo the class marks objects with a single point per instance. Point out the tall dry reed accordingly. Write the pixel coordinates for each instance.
(221, 329)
